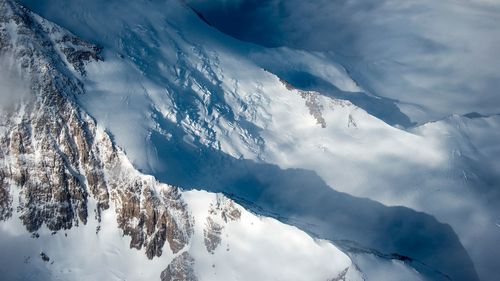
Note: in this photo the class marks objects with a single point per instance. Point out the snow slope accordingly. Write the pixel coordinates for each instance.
(202, 110)
(250, 247)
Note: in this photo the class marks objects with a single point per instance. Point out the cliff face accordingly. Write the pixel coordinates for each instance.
(54, 159)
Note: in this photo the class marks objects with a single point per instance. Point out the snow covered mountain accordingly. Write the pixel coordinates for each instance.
(74, 207)
(295, 143)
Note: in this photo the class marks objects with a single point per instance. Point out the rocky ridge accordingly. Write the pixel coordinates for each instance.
(55, 159)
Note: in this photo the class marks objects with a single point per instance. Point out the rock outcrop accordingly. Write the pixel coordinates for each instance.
(311, 102)
(220, 214)
(180, 269)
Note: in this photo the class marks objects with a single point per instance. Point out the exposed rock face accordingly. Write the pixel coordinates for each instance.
(180, 269)
(55, 157)
(351, 123)
(46, 144)
(315, 108)
(5, 199)
(152, 216)
(223, 211)
(312, 103)
(342, 276)
(44, 257)
(212, 233)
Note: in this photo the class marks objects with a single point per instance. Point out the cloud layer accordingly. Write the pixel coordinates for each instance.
(442, 56)
(13, 87)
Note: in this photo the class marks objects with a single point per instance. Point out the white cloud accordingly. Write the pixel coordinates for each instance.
(13, 86)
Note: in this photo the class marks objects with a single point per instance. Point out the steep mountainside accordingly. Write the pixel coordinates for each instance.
(213, 112)
(74, 208)
(295, 136)
(56, 156)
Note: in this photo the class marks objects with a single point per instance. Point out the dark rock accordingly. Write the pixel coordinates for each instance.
(180, 269)
(44, 257)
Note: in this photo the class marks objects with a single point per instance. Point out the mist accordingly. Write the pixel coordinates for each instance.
(14, 88)
(440, 56)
